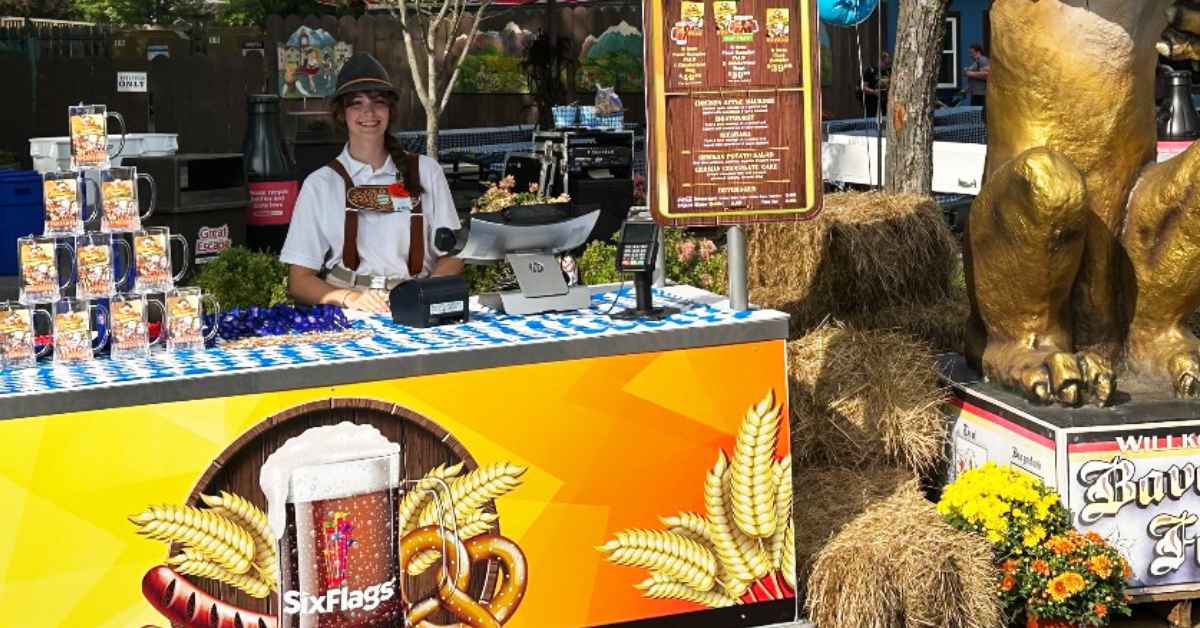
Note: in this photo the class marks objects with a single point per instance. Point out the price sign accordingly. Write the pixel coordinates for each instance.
(734, 110)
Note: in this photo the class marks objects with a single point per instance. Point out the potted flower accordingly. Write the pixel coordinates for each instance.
(1056, 576)
(1071, 580)
(510, 206)
(1014, 510)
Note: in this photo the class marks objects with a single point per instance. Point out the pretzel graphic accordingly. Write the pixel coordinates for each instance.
(459, 557)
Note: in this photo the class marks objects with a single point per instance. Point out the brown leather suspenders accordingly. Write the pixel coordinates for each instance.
(416, 232)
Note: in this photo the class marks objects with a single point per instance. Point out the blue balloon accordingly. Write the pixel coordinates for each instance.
(845, 12)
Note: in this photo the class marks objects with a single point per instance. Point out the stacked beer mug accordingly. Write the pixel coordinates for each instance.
(94, 192)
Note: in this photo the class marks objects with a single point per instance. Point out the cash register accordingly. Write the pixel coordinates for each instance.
(532, 239)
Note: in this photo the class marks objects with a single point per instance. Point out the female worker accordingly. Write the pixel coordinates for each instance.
(351, 238)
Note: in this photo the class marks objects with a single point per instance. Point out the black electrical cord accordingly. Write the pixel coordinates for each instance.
(616, 298)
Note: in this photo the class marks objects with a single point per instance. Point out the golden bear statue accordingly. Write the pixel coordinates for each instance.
(1083, 255)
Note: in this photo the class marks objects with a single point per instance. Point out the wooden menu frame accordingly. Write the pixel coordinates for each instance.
(732, 142)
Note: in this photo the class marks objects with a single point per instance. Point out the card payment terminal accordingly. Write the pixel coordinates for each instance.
(636, 253)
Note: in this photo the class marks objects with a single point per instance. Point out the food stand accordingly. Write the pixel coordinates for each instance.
(594, 431)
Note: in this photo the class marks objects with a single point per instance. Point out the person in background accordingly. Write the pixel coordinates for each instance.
(875, 86)
(352, 258)
(977, 76)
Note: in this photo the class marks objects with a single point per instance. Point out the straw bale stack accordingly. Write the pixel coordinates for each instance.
(863, 398)
(900, 565)
(829, 498)
(864, 252)
(940, 324)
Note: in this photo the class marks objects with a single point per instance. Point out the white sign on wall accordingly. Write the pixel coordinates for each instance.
(133, 82)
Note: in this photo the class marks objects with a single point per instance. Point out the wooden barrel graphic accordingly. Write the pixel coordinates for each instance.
(423, 445)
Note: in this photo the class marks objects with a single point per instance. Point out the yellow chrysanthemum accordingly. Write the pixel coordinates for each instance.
(1100, 565)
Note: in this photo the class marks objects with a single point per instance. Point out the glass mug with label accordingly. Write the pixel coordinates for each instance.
(128, 326)
(184, 322)
(17, 335)
(89, 135)
(120, 211)
(38, 261)
(73, 331)
(94, 266)
(152, 252)
(64, 203)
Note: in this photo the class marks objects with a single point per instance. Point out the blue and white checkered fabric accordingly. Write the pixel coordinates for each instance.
(486, 329)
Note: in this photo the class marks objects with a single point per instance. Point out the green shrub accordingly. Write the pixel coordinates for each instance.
(598, 264)
(240, 278)
(691, 260)
(489, 278)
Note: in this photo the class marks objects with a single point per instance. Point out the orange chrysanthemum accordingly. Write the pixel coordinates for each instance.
(1095, 538)
(1061, 546)
(1100, 565)
(1066, 585)
(1008, 583)
(1101, 610)
(1041, 567)
(1009, 566)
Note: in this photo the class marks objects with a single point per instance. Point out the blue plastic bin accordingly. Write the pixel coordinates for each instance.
(612, 121)
(588, 117)
(565, 115)
(21, 213)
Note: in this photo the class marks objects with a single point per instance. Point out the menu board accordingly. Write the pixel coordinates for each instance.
(733, 111)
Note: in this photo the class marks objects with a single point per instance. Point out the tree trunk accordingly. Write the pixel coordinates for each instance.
(431, 132)
(915, 66)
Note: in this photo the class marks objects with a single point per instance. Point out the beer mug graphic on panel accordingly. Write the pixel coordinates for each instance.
(73, 331)
(94, 266)
(120, 211)
(129, 324)
(38, 261)
(89, 135)
(152, 252)
(331, 503)
(62, 196)
(17, 335)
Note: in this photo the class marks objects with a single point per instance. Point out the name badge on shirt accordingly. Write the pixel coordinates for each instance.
(371, 198)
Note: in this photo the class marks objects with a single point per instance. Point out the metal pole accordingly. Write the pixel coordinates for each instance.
(660, 261)
(739, 299)
(880, 99)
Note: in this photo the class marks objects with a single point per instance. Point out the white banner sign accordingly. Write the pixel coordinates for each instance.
(134, 82)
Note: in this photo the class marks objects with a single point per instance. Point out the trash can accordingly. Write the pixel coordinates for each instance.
(21, 213)
(200, 196)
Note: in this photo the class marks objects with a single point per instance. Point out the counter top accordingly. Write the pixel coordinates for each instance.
(389, 351)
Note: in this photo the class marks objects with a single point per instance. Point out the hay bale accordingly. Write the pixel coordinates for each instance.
(940, 325)
(900, 564)
(865, 251)
(829, 499)
(862, 398)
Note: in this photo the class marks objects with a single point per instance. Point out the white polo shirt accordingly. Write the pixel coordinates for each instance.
(315, 236)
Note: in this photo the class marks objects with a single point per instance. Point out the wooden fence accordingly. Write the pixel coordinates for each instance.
(839, 96)
(199, 90)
